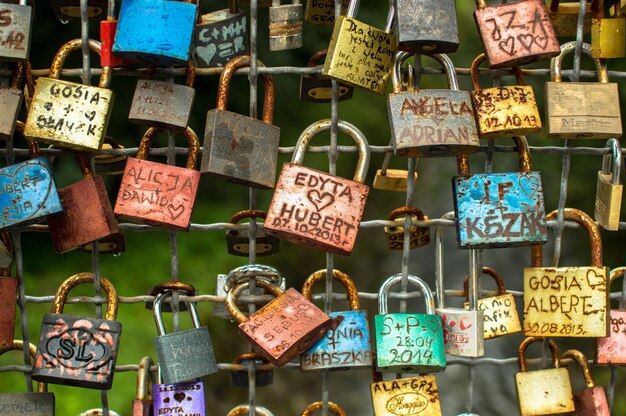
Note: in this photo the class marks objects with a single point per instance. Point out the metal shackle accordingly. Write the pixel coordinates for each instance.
(158, 318)
(18, 345)
(341, 277)
(523, 152)
(231, 297)
(262, 272)
(75, 45)
(439, 287)
(383, 293)
(612, 163)
(61, 295)
(248, 213)
(333, 408)
(556, 63)
(244, 410)
(143, 377)
(353, 8)
(317, 56)
(350, 130)
(251, 356)
(580, 358)
(404, 211)
(153, 132)
(521, 359)
(443, 59)
(183, 287)
(519, 76)
(490, 272)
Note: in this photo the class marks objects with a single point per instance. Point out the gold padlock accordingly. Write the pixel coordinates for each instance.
(608, 35)
(420, 236)
(564, 17)
(396, 180)
(609, 189)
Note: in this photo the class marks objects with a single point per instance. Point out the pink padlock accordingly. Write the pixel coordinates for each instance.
(592, 400)
(612, 349)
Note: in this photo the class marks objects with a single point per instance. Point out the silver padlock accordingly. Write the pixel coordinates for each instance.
(285, 25)
(16, 23)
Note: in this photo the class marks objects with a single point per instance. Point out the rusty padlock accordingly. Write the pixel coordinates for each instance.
(592, 400)
(322, 12)
(426, 26)
(8, 293)
(239, 148)
(420, 236)
(239, 378)
(392, 179)
(315, 209)
(612, 349)
(11, 102)
(285, 25)
(87, 214)
(244, 410)
(17, 23)
(609, 188)
(285, 327)
(564, 17)
(315, 407)
(568, 301)
(607, 33)
(159, 194)
(319, 89)
(142, 404)
(238, 242)
(504, 111)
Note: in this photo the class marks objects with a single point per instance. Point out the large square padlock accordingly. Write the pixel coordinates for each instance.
(426, 26)
(406, 396)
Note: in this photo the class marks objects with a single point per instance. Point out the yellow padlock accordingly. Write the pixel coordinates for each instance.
(608, 35)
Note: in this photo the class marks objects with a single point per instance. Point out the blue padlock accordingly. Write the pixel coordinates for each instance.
(155, 31)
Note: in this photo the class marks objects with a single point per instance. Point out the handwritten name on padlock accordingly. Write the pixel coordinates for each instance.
(407, 396)
(413, 336)
(218, 41)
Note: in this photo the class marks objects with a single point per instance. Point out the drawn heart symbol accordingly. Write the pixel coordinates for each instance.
(175, 212)
(530, 184)
(463, 324)
(541, 41)
(34, 170)
(508, 45)
(206, 53)
(526, 41)
(90, 115)
(452, 324)
(320, 200)
(180, 396)
(595, 280)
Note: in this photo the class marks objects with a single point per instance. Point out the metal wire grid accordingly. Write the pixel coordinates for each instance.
(332, 150)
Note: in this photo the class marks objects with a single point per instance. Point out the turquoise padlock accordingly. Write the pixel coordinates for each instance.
(155, 31)
(408, 342)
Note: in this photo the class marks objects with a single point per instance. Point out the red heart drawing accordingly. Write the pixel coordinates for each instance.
(463, 326)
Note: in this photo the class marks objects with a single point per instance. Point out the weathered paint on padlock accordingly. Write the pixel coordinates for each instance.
(431, 122)
(408, 343)
(406, 396)
(500, 209)
(592, 400)
(322, 12)
(239, 148)
(609, 189)
(315, 407)
(17, 22)
(543, 392)
(183, 355)
(564, 17)
(142, 404)
(163, 104)
(516, 33)
(238, 242)
(285, 25)
(612, 349)
(319, 89)
(107, 37)
(585, 110)
(568, 301)
(348, 345)
(504, 111)
(179, 398)
(607, 33)
(155, 31)
(69, 114)
(240, 378)
(420, 236)
(427, 26)
(315, 209)
(70, 9)
(78, 351)
(8, 296)
(220, 36)
(306, 322)
(159, 194)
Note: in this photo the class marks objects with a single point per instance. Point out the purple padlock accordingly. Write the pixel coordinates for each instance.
(179, 399)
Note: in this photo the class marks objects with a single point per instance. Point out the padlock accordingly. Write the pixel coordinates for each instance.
(68, 114)
(302, 321)
(315, 407)
(108, 163)
(75, 350)
(285, 25)
(142, 199)
(182, 288)
(66, 10)
(87, 214)
(111, 244)
(608, 38)
(516, 33)
(29, 192)
(163, 104)
(315, 209)
(348, 345)
(582, 110)
(504, 111)
(319, 89)
(408, 343)
(396, 180)
(612, 349)
(402, 396)
(420, 236)
(183, 355)
(108, 28)
(11, 102)
(609, 188)
(241, 274)
(142, 405)
(564, 17)
(322, 12)
(244, 410)
(40, 403)
(220, 36)
(426, 26)
(496, 210)
(17, 24)
(568, 301)
(543, 392)
(350, 54)
(500, 312)
(431, 122)
(238, 242)
(239, 378)
(8, 295)
(592, 400)
(239, 148)
(179, 398)
(155, 31)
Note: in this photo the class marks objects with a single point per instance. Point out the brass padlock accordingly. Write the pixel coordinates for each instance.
(608, 34)
(592, 400)
(68, 114)
(431, 122)
(608, 204)
(426, 26)
(402, 396)
(238, 242)
(167, 306)
(240, 378)
(17, 23)
(108, 163)
(322, 12)
(315, 407)
(564, 17)
(612, 349)
(586, 110)
(500, 312)
(244, 410)
(516, 33)
(396, 180)
(319, 89)
(142, 405)
(546, 391)
(420, 236)
(11, 102)
(359, 54)
(568, 301)
(504, 111)
(285, 25)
